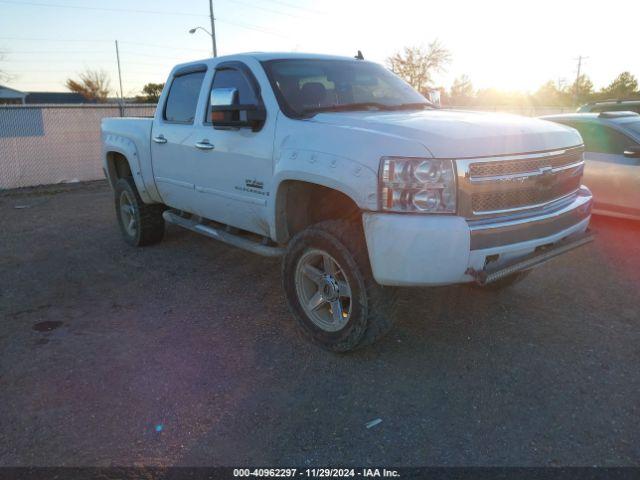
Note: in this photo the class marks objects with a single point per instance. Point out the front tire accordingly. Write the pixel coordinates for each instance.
(330, 288)
(141, 224)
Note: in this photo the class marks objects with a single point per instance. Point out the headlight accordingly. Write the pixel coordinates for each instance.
(418, 185)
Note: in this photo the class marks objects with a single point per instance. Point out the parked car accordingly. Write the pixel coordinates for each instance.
(353, 177)
(612, 170)
(611, 106)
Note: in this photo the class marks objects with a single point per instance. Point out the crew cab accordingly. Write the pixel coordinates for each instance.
(353, 177)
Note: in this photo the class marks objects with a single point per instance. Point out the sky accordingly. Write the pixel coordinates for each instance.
(509, 45)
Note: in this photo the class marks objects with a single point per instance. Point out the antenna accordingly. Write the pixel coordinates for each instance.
(120, 79)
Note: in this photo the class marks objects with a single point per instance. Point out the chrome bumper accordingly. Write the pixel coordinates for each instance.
(430, 250)
(555, 217)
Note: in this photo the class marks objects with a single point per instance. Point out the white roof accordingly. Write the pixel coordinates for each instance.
(265, 56)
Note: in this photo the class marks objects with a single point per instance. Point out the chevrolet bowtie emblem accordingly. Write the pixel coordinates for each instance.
(545, 177)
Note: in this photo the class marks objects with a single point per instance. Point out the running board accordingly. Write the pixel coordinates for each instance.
(488, 275)
(226, 237)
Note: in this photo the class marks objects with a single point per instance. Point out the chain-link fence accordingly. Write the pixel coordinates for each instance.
(46, 144)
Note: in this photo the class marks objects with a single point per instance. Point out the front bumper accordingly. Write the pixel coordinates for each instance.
(424, 250)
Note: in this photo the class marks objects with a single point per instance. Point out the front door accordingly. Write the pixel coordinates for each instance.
(613, 178)
(234, 165)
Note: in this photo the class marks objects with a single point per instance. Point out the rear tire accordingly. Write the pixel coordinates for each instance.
(330, 288)
(141, 224)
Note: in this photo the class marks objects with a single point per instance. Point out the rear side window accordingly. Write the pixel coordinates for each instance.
(183, 98)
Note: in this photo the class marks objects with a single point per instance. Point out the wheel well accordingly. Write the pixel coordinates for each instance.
(300, 204)
(118, 166)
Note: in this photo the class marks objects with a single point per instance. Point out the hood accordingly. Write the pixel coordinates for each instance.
(461, 134)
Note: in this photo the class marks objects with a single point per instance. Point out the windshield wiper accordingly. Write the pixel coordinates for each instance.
(411, 106)
(347, 107)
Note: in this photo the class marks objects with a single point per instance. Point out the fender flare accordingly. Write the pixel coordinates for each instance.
(279, 202)
(128, 149)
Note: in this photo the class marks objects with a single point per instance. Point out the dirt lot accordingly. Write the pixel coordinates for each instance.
(185, 354)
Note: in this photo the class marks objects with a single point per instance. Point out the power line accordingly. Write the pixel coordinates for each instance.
(265, 9)
(151, 12)
(291, 5)
(76, 40)
(164, 46)
(577, 85)
(101, 9)
(252, 27)
(73, 60)
(49, 52)
(51, 39)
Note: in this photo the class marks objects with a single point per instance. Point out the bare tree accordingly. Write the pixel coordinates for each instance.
(461, 91)
(4, 76)
(94, 85)
(151, 93)
(417, 65)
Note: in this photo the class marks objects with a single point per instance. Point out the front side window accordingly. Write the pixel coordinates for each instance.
(309, 86)
(232, 78)
(601, 139)
(183, 98)
(617, 107)
(634, 126)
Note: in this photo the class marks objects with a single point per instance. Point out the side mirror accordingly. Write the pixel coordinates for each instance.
(632, 151)
(227, 112)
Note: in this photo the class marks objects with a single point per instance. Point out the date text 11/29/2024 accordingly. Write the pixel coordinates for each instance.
(316, 472)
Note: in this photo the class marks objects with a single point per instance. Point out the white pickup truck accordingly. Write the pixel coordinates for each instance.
(353, 177)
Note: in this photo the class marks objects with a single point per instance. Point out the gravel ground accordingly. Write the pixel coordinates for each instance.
(185, 354)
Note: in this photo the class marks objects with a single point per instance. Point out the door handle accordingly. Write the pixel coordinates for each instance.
(160, 139)
(205, 145)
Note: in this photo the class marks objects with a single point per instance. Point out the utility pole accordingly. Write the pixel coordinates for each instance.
(213, 29)
(575, 89)
(120, 79)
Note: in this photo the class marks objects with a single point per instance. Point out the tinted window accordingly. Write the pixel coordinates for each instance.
(600, 139)
(617, 107)
(305, 85)
(634, 126)
(183, 98)
(230, 78)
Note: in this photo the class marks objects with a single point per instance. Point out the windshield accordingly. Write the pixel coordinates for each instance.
(308, 86)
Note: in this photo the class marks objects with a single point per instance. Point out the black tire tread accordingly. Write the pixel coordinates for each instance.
(151, 223)
(382, 301)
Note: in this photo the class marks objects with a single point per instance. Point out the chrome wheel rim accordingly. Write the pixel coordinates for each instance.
(128, 213)
(323, 290)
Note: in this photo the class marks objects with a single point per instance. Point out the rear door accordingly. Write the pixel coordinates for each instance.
(172, 139)
(613, 178)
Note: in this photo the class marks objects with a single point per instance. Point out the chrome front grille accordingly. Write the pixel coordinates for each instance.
(513, 167)
(506, 184)
(523, 197)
